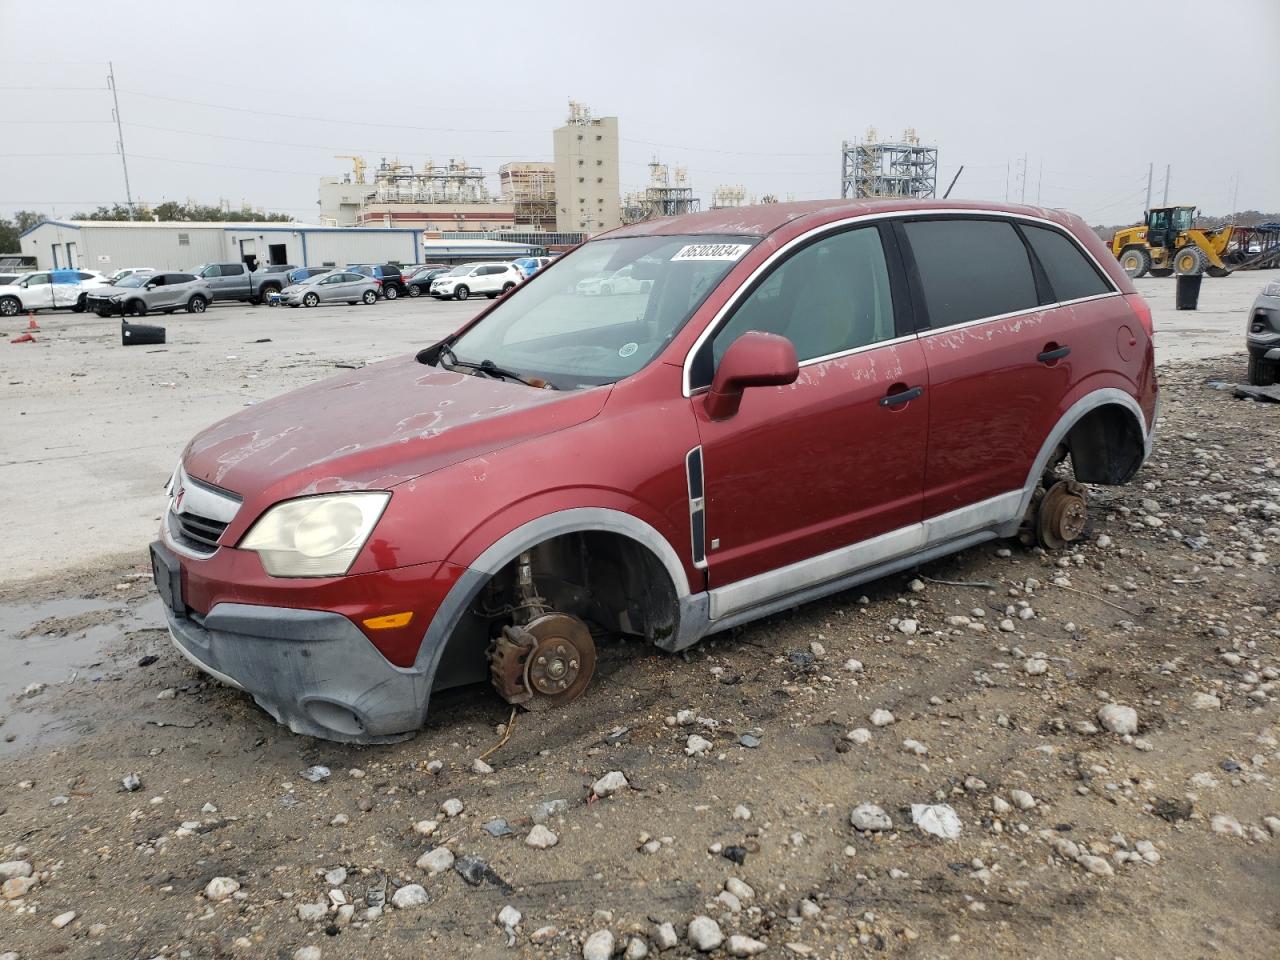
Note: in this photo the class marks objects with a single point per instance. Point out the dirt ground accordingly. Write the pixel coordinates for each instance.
(1074, 841)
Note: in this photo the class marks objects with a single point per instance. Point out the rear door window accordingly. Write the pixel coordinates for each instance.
(232, 269)
(1070, 273)
(971, 269)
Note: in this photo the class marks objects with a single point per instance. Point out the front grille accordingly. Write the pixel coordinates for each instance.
(199, 530)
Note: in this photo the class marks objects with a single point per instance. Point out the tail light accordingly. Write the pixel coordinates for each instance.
(1143, 313)
(377, 281)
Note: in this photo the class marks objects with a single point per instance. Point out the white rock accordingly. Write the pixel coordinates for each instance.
(740, 889)
(1205, 701)
(311, 912)
(740, 946)
(729, 901)
(1226, 824)
(339, 820)
(909, 627)
(1118, 718)
(436, 861)
(741, 812)
(859, 735)
(936, 819)
(1007, 626)
(853, 666)
(637, 949)
(1034, 666)
(14, 868)
(426, 828)
(479, 766)
(599, 946)
(1022, 800)
(409, 896)
(544, 935)
(868, 816)
(697, 746)
(307, 953)
(607, 786)
(809, 909)
(1000, 806)
(881, 718)
(664, 935)
(915, 746)
(704, 933)
(1095, 865)
(817, 649)
(540, 838)
(336, 877)
(509, 917)
(451, 807)
(219, 888)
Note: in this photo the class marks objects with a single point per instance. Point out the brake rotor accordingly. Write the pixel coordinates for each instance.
(1063, 514)
(562, 661)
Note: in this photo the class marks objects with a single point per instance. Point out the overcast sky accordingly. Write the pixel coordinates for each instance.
(251, 101)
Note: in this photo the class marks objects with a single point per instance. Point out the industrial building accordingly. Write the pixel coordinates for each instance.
(530, 188)
(586, 165)
(108, 245)
(666, 196)
(877, 168)
(434, 197)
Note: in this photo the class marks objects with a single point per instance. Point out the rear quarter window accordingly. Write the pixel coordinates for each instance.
(970, 269)
(1070, 273)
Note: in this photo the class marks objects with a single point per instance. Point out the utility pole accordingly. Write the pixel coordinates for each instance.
(1024, 179)
(115, 113)
(1006, 181)
(1165, 202)
(1039, 181)
(1235, 195)
(1150, 168)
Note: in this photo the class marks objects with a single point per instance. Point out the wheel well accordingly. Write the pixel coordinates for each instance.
(607, 579)
(1106, 445)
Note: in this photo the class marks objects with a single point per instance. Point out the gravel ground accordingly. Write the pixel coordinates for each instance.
(1093, 731)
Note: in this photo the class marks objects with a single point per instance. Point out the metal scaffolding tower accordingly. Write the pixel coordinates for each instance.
(876, 168)
(662, 198)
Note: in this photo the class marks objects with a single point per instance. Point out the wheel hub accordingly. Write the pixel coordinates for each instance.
(1063, 514)
(547, 663)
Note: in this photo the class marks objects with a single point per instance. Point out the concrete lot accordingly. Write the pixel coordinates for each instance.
(91, 431)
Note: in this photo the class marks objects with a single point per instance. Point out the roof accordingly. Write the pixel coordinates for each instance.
(262, 226)
(762, 219)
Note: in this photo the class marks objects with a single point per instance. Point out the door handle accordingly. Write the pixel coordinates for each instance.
(901, 397)
(1052, 353)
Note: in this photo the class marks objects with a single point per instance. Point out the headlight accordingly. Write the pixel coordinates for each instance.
(315, 536)
(1272, 289)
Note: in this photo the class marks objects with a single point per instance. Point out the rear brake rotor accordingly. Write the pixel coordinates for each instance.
(562, 661)
(1063, 513)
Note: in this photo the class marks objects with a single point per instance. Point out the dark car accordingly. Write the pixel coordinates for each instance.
(805, 397)
(1264, 336)
(420, 282)
(388, 275)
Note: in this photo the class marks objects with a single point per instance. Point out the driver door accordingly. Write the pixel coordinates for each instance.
(811, 480)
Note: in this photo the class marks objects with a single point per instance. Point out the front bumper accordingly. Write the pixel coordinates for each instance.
(311, 670)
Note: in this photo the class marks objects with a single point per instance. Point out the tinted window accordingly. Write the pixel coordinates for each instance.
(831, 296)
(971, 269)
(1070, 273)
(159, 280)
(232, 269)
(181, 278)
(85, 276)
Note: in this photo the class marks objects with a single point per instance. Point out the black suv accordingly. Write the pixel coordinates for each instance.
(388, 274)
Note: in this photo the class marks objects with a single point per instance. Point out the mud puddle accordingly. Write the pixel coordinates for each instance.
(56, 648)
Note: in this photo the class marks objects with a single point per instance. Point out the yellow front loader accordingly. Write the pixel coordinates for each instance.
(1168, 243)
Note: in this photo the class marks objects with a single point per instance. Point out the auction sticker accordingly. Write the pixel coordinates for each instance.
(712, 251)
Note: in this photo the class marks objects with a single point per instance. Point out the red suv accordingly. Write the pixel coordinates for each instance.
(792, 399)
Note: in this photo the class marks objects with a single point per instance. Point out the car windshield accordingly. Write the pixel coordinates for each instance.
(573, 330)
(134, 280)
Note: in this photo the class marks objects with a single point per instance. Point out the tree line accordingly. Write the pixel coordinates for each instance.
(11, 229)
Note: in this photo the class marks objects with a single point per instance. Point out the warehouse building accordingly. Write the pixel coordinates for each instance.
(109, 245)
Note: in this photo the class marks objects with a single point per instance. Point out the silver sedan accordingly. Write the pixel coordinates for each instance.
(332, 287)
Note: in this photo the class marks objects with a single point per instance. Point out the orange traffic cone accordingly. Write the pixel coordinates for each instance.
(24, 338)
(31, 321)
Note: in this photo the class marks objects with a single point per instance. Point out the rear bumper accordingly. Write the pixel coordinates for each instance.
(313, 671)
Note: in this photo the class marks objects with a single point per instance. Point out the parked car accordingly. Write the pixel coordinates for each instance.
(809, 396)
(300, 274)
(235, 281)
(620, 281)
(491, 279)
(1263, 339)
(141, 293)
(128, 272)
(333, 287)
(48, 290)
(420, 282)
(528, 266)
(390, 281)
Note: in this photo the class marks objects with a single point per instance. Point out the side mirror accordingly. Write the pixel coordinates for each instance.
(755, 359)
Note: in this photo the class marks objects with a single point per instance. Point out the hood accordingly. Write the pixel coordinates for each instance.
(110, 290)
(376, 427)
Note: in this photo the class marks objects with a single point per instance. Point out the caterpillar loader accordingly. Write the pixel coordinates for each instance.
(1168, 243)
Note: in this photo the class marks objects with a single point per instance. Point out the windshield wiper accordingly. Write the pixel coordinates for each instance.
(490, 369)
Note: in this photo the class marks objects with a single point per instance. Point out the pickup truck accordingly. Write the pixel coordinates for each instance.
(235, 281)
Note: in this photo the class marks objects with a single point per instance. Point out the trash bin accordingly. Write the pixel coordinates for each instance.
(135, 334)
(1188, 291)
